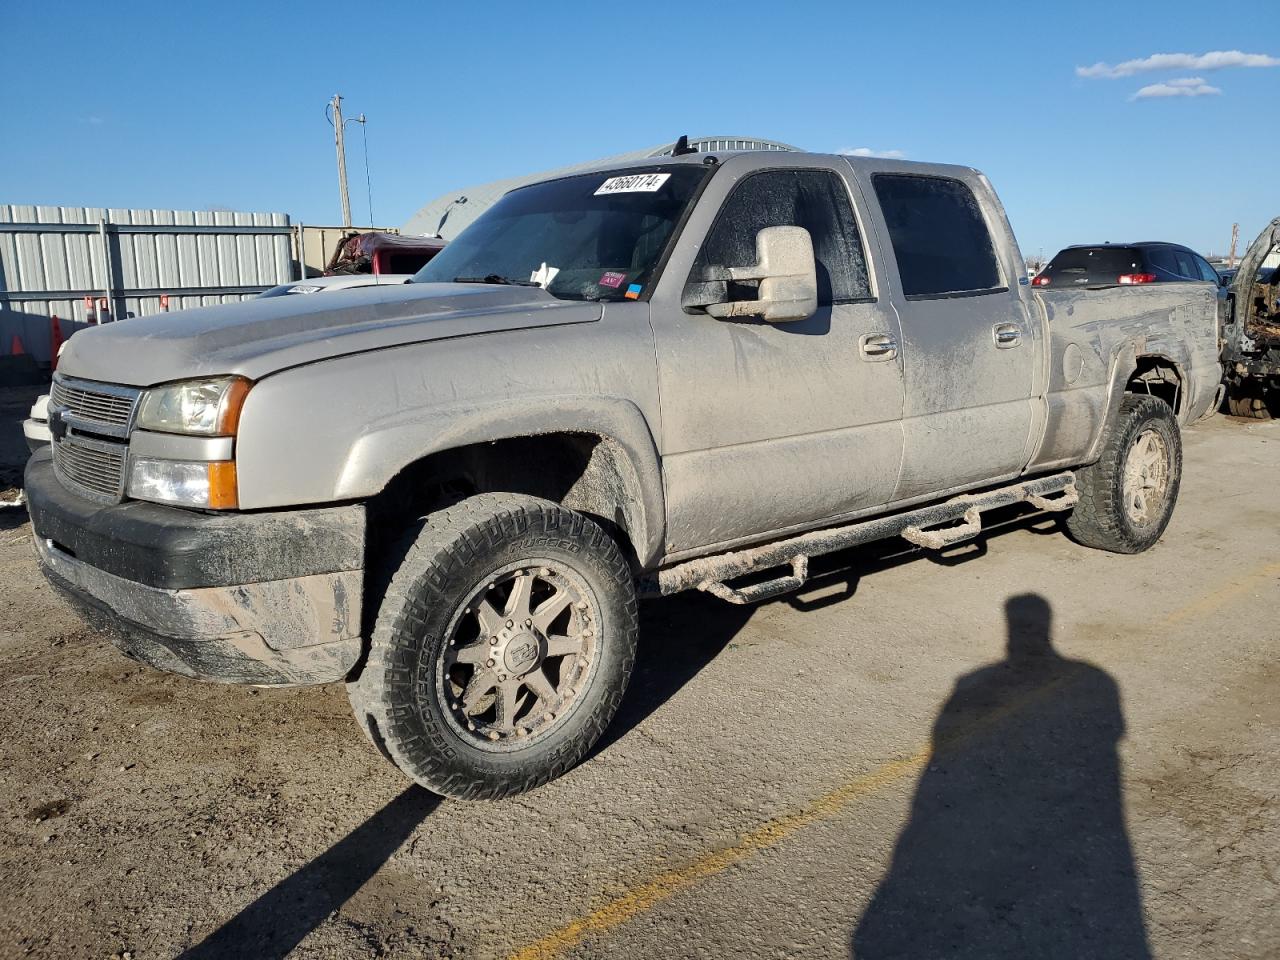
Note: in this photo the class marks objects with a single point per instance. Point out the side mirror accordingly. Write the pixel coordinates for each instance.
(787, 276)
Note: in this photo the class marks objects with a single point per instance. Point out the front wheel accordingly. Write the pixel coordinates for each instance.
(502, 647)
(1127, 497)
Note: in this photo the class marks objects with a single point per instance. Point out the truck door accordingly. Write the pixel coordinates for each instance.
(767, 427)
(970, 349)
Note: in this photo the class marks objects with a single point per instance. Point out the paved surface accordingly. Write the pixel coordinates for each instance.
(1027, 749)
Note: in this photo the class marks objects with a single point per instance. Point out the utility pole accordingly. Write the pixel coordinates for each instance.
(1235, 236)
(336, 103)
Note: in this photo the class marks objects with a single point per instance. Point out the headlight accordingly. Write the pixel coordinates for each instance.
(204, 407)
(162, 473)
(187, 483)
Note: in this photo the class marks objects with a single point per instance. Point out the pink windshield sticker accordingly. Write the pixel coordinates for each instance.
(612, 279)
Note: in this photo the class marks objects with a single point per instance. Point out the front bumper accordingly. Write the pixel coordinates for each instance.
(37, 434)
(263, 598)
(36, 427)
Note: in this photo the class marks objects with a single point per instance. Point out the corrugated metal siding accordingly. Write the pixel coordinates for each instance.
(211, 267)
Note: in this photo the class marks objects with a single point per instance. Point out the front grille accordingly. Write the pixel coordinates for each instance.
(100, 404)
(91, 436)
(93, 467)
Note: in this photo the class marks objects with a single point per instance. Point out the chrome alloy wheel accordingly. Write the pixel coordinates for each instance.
(520, 649)
(1146, 477)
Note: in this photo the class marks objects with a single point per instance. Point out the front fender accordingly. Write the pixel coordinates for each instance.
(390, 445)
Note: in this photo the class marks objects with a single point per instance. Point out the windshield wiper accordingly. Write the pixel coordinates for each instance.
(497, 278)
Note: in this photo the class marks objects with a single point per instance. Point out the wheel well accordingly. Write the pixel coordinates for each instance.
(585, 472)
(1158, 377)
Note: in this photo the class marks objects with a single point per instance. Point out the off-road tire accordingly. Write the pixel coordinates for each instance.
(1101, 519)
(1247, 400)
(438, 565)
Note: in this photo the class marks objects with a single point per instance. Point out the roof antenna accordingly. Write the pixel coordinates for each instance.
(682, 147)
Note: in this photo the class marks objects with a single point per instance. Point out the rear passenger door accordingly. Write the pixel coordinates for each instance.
(970, 349)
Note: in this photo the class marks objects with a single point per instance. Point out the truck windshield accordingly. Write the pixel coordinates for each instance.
(598, 236)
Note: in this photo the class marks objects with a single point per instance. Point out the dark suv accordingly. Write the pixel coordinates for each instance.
(1108, 264)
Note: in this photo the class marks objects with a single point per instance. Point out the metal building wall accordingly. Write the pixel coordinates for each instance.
(51, 258)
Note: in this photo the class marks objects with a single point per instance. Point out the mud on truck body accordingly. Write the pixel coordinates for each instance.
(1251, 331)
(635, 380)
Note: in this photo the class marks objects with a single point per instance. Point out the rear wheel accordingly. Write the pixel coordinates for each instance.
(501, 649)
(1127, 497)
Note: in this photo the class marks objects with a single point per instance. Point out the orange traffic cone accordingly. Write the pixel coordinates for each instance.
(15, 348)
(55, 340)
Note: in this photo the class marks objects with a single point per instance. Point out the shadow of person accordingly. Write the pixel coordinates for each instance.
(1016, 845)
(272, 925)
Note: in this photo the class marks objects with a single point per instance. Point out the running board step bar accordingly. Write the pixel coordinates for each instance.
(923, 527)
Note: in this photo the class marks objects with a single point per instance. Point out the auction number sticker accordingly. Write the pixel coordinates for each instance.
(634, 183)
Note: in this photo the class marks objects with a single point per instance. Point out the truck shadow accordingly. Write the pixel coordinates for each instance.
(682, 634)
(1016, 844)
(273, 925)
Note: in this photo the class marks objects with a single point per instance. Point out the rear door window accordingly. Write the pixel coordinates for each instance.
(939, 235)
(1187, 268)
(1206, 271)
(814, 199)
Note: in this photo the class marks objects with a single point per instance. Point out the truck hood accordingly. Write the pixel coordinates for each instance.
(259, 337)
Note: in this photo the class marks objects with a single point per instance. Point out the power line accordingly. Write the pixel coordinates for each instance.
(368, 181)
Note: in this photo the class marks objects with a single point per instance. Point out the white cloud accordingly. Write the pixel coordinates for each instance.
(1214, 60)
(868, 152)
(1183, 87)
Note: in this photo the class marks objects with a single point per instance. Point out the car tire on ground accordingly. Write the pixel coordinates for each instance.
(1247, 400)
(1127, 497)
(501, 649)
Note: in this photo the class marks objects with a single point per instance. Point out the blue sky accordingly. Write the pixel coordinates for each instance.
(191, 105)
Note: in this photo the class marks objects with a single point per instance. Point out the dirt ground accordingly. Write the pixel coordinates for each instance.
(1021, 749)
(15, 405)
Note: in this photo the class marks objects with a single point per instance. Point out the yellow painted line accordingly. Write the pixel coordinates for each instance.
(1225, 593)
(649, 894)
(665, 885)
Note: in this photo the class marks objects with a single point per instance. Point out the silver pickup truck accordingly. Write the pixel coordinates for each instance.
(639, 380)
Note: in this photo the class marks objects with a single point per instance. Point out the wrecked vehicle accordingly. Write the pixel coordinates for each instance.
(1251, 333)
(635, 380)
(378, 252)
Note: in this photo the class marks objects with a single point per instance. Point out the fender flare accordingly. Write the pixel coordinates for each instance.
(1124, 361)
(390, 445)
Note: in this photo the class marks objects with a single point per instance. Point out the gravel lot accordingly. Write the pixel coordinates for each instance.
(1021, 749)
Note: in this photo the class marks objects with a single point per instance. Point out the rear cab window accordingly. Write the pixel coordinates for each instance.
(939, 236)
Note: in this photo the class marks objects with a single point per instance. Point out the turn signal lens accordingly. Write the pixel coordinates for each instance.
(223, 494)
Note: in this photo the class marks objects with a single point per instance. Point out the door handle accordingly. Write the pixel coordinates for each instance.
(877, 346)
(1007, 335)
